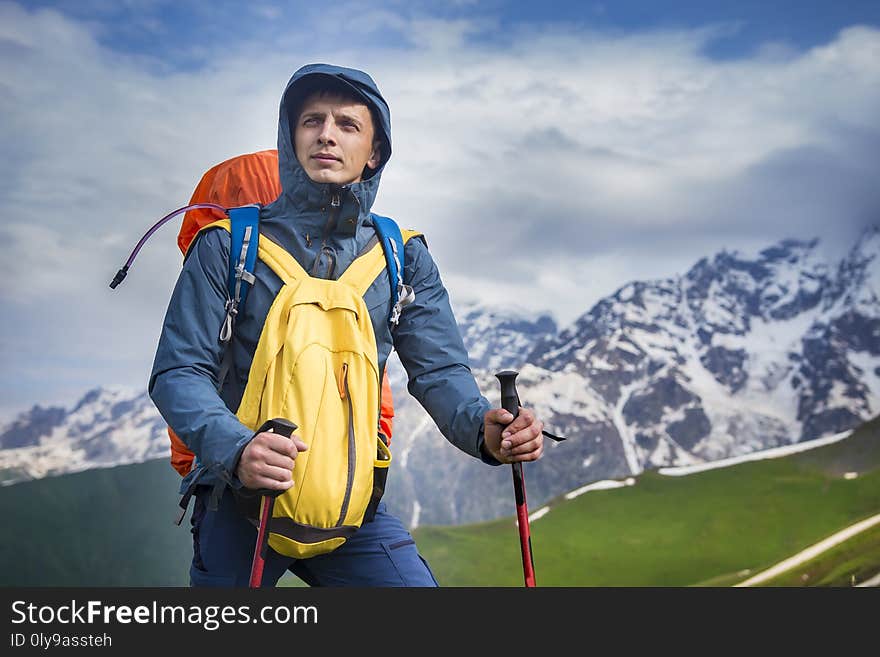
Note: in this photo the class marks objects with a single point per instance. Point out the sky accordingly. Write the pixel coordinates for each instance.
(550, 152)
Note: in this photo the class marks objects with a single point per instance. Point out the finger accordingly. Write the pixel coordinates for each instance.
(527, 447)
(523, 420)
(277, 460)
(270, 484)
(275, 442)
(282, 444)
(521, 437)
(527, 457)
(499, 416)
(260, 475)
(533, 451)
(274, 473)
(525, 435)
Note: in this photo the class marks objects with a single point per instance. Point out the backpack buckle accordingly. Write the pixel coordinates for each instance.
(226, 329)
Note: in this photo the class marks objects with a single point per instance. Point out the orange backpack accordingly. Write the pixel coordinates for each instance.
(250, 178)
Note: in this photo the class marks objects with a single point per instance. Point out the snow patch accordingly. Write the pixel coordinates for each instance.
(773, 453)
(627, 440)
(605, 484)
(540, 513)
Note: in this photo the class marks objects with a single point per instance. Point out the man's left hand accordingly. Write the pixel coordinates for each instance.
(510, 440)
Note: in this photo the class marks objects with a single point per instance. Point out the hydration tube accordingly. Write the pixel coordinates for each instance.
(123, 271)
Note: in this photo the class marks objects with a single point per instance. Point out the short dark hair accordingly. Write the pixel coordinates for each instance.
(323, 85)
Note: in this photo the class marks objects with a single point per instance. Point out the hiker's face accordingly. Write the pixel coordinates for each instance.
(334, 139)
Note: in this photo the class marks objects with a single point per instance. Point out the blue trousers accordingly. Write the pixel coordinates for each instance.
(381, 553)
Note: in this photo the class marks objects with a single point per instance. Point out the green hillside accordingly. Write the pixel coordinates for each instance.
(107, 527)
(851, 562)
(114, 527)
(854, 561)
(675, 531)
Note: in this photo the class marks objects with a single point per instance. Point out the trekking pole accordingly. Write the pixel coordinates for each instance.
(267, 503)
(510, 403)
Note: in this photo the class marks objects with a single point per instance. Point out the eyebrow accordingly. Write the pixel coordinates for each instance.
(321, 114)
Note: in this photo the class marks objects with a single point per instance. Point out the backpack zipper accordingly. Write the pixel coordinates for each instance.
(352, 455)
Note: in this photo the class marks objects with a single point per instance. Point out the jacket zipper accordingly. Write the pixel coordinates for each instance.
(332, 219)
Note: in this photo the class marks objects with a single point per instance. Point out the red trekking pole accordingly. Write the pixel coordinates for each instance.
(510, 403)
(285, 428)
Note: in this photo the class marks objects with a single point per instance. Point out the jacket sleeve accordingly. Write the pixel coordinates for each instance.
(183, 382)
(433, 354)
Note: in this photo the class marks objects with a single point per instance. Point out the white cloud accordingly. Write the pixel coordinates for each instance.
(550, 167)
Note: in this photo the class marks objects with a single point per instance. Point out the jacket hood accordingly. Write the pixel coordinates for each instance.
(297, 188)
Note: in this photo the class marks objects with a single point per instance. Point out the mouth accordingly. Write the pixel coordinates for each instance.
(325, 157)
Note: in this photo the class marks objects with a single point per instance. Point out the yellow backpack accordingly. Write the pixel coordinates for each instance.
(316, 364)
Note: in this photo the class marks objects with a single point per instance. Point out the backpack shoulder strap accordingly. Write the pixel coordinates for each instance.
(243, 226)
(392, 241)
(244, 229)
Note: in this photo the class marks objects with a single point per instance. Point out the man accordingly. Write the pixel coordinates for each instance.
(334, 138)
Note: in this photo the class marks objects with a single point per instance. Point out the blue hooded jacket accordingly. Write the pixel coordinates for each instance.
(324, 227)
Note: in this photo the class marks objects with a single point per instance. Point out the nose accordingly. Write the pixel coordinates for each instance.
(327, 134)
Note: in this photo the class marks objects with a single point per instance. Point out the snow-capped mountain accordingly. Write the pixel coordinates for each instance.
(107, 427)
(501, 338)
(740, 353)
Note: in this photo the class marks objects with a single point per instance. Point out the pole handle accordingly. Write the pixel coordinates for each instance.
(510, 401)
(509, 396)
(280, 426)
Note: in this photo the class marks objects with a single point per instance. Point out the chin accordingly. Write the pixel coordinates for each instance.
(332, 177)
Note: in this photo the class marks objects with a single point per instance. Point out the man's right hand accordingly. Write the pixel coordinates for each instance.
(267, 461)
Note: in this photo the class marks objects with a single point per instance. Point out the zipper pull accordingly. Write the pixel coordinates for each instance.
(334, 200)
(342, 382)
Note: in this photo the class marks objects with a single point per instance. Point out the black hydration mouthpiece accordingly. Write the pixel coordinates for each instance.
(120, 275)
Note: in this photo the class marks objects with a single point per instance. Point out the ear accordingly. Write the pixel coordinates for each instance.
(375, 155)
